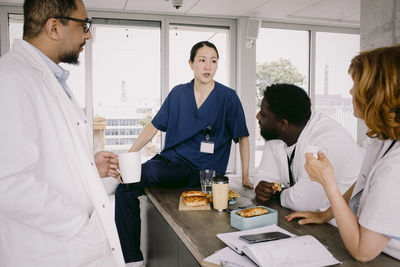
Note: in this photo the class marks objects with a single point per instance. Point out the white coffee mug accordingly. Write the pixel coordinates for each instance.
(130, 167)
(314, 150)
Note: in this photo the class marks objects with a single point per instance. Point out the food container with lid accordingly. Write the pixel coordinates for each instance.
(243, 223)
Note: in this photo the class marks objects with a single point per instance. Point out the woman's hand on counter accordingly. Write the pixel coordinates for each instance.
(306, 217)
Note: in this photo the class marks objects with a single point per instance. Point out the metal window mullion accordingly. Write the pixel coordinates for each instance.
(89, 87)
(4, 36)
(165, 22)
(312, 66)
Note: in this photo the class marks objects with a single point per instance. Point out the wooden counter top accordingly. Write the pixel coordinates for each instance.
(198, 229)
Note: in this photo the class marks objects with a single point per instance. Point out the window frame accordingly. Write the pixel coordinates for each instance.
(165, 21)
(312, 31)
(236, 38)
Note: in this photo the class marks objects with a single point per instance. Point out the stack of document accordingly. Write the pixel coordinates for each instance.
(293, 251)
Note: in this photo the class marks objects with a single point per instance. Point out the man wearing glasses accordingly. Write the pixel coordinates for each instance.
(54, 210)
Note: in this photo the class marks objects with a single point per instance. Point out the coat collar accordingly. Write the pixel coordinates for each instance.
(60, 73)
(71, 109)
(33, 58)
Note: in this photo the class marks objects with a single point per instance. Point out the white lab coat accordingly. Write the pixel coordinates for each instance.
(344, 154)
(54, 210)
(379, 179)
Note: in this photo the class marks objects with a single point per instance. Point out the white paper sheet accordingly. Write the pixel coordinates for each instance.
(227, 257)
(294, 251)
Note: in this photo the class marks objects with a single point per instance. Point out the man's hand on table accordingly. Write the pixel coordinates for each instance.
(264, 191)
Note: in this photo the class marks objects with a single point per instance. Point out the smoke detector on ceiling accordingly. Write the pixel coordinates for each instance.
(176, 3)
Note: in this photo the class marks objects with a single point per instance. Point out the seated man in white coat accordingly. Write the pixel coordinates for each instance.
(54, 210)
(290, 128)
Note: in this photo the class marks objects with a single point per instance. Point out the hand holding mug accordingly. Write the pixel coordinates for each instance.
(105, 163)
(319, 169)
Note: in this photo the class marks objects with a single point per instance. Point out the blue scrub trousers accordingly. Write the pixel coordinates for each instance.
(157, 171)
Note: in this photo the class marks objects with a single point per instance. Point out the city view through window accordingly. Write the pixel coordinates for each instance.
(283, 56)
(135, 78)
(126, 66)
(126, 84)
(332, 81)
(126, 69)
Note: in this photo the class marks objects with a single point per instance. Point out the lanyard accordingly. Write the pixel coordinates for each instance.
(391, 145)
(289, 160)
(354, 202)
(208, 132)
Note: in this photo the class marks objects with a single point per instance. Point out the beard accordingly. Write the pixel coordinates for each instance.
(71, 57)
(268, 134)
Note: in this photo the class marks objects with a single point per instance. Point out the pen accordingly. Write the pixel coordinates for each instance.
(229, 264)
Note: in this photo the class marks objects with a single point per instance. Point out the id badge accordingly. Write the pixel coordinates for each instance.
(207, 147)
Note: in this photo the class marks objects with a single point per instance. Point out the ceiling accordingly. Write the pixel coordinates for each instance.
(344, 13)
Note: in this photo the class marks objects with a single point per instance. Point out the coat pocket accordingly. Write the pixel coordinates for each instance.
(90, 246)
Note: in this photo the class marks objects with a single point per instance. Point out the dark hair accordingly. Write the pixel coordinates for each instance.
(288, 101)
(199, 45)
(37, 12)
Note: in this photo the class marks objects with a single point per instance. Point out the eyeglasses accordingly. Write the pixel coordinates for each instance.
(86, 23)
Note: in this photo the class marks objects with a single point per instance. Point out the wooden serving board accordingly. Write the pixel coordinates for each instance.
(183, 207)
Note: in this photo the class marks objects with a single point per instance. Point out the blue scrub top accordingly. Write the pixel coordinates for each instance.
(185, 126)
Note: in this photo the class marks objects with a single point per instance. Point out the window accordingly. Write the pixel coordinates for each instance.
(181, 40)
(282, 56)
(15, 27)
(334, 52)
(125, 74)
(124, 77)
(126, 81)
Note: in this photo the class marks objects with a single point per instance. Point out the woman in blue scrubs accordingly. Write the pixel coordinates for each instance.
(200, 118)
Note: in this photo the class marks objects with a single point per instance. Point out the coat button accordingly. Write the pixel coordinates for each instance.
(77, 123)
(104, 206)
(113, 249)
(91, 163)
(85, 121)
